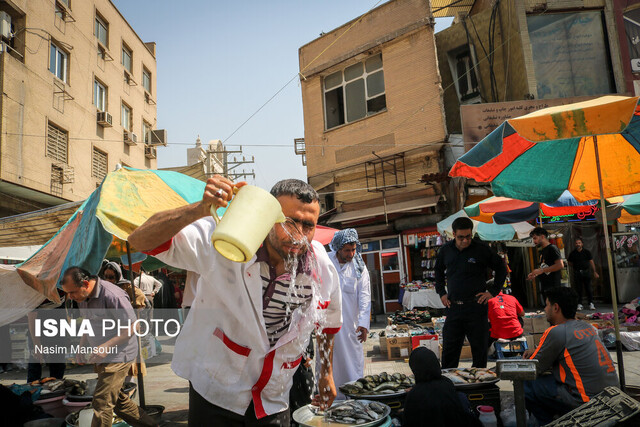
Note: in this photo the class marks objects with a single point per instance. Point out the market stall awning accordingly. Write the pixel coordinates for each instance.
(35, 228)
(407, 206)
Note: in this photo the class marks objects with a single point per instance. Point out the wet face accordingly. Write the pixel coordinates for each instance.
(78, 293)
(110, 275)
(579, 244)
(347, 253)
(302, 221)
(463, 238)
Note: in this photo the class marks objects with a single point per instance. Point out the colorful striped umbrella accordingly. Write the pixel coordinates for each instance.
(591, 149)
(538, 156)
(487, 231)
(125, 199)
(630, 209)
(505, 210)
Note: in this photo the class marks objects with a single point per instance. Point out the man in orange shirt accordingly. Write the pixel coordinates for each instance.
(581, 365)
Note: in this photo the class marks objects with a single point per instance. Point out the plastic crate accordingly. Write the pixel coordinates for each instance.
(489, 395)
(606, 409)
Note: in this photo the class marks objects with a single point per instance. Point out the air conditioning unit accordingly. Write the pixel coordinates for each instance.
(150, 152)
(5, 25)
(158, 137)
(130, 138)
(105, 119)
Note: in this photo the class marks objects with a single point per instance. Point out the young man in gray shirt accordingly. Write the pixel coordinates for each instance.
(580, 363)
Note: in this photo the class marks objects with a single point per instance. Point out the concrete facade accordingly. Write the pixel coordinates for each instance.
(49, 67)
(509, 54)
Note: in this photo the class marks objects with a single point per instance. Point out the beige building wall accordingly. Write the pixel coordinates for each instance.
(413, 121)
(33, 97)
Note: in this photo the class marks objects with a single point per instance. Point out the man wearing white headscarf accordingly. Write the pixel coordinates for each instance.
(348, 354)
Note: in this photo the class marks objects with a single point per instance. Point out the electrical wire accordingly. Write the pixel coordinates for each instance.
(300, 73)
(234, 145)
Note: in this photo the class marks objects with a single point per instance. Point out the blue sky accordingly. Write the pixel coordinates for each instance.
(218, 62)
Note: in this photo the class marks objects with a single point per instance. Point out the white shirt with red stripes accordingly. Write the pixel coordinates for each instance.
(223, 348)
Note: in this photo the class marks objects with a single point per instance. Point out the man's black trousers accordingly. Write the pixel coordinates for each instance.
(470, 320)
(205, 413)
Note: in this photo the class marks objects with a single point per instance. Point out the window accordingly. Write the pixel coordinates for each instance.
(102, 31)
(570, 54)
(58, 62)
(126, 58)
(146, 132)
(355, 92)
(146, 80)
(100, 96)
(65, 2)
(464, 74)
(126, 117)
(57, 143)
(59, 11)
(99, 164)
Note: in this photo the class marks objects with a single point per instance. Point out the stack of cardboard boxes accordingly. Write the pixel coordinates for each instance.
(534, 326)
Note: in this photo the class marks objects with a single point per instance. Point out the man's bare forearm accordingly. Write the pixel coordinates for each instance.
(325, 348)
(162, 226)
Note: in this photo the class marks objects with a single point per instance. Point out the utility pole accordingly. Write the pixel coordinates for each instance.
(229, 166)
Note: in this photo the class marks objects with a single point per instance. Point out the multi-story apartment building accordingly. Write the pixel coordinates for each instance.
(78, 97)
(374, 127)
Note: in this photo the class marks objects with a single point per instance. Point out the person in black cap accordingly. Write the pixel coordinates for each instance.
(433, 401)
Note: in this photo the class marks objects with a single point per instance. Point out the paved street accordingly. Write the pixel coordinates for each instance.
(163, 387)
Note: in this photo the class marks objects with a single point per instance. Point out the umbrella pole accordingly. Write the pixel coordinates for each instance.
(614, 296)
(139, 362)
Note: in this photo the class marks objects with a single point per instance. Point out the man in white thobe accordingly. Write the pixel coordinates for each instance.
(348, 354)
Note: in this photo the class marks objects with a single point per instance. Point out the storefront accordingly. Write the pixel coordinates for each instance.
(565, 229)
(385, 262)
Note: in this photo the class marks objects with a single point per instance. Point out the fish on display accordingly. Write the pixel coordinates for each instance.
(382, 383)
(355, 412)
(470, 375)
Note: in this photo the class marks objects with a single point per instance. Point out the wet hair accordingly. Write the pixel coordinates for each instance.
(539, 231)
(77, 275)
(462, 224)
(566, 298)
(296, 188)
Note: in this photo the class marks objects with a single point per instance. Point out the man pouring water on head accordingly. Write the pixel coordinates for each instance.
(250, 321)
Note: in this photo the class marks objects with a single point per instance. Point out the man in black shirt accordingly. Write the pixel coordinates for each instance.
(581, 262)
(548, 273)
(464, 263)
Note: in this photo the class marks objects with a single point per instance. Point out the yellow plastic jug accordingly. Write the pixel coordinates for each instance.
(248, 219)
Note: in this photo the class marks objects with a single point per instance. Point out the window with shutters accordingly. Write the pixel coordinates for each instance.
(99, 164)
(57, 143)
(56, 180)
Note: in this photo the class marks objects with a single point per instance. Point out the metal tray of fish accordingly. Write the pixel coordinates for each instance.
(468, 386)
(377, 386)
(343, 413)
(369, 395)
